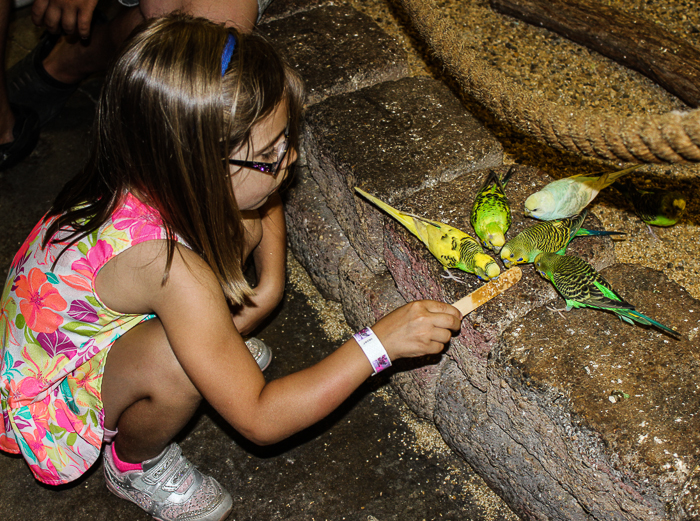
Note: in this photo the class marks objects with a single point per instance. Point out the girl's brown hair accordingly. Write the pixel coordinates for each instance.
(166, 122)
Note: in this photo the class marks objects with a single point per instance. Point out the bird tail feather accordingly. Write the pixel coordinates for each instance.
(404, 218)
(609, 178)
(583, 232)
(631, 314)
(506, 177)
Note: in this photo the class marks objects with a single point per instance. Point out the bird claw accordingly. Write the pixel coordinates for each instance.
(447, 274)
(555, 310)
(651, 232)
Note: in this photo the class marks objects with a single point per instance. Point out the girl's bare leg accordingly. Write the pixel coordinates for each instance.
(146, 393)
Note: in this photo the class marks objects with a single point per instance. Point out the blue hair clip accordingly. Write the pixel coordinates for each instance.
(228, 52)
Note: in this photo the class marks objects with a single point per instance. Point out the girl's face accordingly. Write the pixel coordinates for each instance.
(252, 187)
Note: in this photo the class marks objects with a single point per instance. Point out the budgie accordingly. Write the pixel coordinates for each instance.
(452, 247)
(654, 206)
(491, 211)
(547, 236)
(568, 197)
(582, 286)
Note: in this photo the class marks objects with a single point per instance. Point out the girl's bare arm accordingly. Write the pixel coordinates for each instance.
(269, 256)
(195, 316)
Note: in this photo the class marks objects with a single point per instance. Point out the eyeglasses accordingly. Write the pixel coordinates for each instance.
(267, 168)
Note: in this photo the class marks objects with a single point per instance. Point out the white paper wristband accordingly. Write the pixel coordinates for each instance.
(373, 349)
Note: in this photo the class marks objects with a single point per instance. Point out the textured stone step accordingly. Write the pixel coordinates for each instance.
(575, 418)
(336, 49)
(314, 236)
(391, 139)
(586, 416)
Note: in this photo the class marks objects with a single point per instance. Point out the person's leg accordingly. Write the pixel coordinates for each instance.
(19, 125)
(72, 61)
(146, 394)
(148, 399)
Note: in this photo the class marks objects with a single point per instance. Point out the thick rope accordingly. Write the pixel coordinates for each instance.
(667, 138)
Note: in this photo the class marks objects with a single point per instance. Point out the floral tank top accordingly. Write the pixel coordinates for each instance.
(55, 334)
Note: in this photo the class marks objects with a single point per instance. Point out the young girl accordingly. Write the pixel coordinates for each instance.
(115, 319)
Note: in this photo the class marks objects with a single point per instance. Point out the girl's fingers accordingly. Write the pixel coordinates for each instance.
(435, 306)
(441, 335)
(444, 315)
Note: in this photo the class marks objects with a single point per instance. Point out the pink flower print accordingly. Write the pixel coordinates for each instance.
(56, 343)
(76, 282)
(7, 443)
(143, 222)
(88, 383)
(45, 475)
(40, 414)
(22, 392)
(63, 415)
(96, 257)
(35, 444)
(39, 298)
(91, 437)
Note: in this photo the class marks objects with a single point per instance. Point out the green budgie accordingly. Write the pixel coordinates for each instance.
(654, 206)
(568, 197)
(452, 247)
(582, 286)
(491, 211)
(548, 236)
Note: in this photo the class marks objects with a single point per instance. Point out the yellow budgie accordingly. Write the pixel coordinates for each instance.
(452, 247)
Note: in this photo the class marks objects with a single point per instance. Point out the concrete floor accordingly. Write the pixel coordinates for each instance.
(372, 460)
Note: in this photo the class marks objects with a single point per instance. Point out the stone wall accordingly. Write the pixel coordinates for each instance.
(567, 416)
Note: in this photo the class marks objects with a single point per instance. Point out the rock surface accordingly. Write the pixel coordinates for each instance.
(574, 417)
(336, 50)
(391, 140)
(317, 240)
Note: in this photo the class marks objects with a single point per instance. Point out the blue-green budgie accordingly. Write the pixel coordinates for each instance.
(582, 286)
(548, 236)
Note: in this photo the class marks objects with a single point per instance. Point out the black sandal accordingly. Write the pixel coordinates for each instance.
(26, 134)
(29, 84)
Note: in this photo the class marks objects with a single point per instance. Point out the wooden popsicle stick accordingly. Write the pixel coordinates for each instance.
(488, 291)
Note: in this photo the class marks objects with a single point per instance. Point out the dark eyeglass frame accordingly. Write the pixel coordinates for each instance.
(266, 168)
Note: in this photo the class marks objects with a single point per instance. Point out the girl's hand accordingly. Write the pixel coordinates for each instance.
(418, 328)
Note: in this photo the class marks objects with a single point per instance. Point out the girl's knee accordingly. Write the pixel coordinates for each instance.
(141, 365)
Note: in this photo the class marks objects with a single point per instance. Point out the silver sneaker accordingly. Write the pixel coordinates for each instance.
(260, 351)
(169, 488)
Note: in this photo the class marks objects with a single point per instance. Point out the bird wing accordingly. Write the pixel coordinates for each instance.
(579, 282)
(447, 243)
